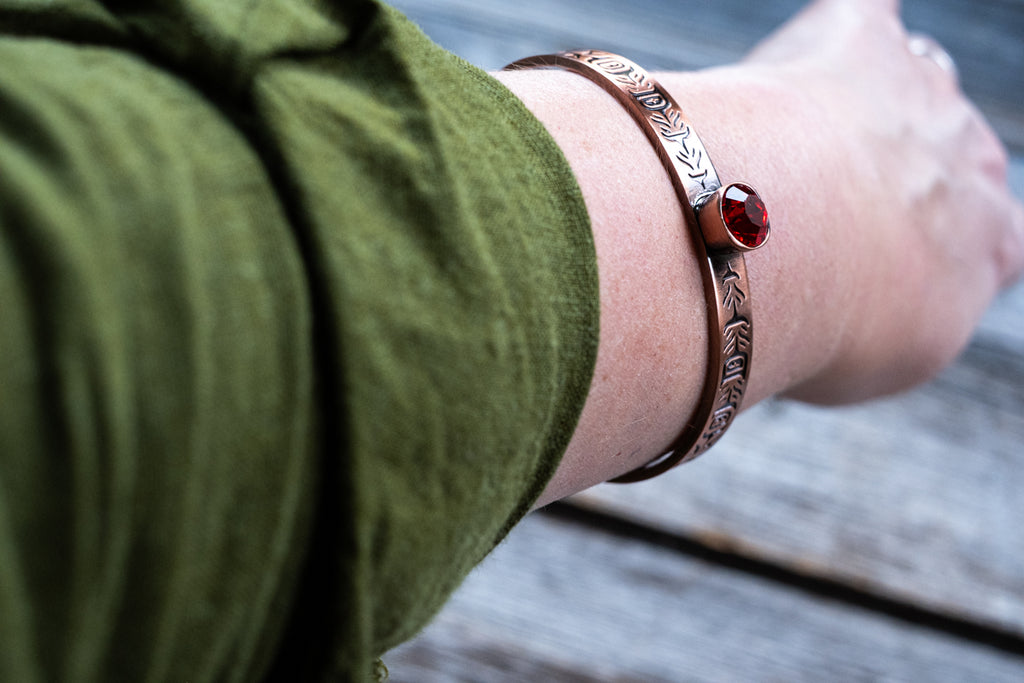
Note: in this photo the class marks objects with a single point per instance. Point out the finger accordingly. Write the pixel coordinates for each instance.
(995, 225)
(823, 25)
(931, 52)
(1012, 252)
(891, 7)
(795, 37)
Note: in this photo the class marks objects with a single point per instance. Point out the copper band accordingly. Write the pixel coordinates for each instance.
(731, 337)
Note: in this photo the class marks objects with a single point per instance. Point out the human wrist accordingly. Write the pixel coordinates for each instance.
(652, 358)
(724, 221)
(652, 353)
(764, 126)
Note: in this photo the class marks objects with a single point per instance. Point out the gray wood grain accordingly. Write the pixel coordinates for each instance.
(986, 37)
(555, 603)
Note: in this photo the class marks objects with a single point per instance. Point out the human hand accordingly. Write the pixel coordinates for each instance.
(915, 221)
(893, 227)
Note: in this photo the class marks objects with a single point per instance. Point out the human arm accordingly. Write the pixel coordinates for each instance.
(893, 227)
(298, 313)
(274, 456)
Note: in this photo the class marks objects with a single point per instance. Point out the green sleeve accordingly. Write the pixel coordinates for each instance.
(297, 315)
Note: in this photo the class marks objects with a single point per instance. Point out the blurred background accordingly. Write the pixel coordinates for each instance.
(875, 542)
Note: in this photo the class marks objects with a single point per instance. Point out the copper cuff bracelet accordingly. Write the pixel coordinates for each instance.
(724, 222)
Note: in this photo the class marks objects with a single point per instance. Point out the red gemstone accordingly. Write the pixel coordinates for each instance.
(745, 215)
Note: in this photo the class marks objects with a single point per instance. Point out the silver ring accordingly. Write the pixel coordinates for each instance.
(923, 45)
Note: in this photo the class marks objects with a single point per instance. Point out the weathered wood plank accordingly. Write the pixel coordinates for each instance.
(560, 603)
(984, 37)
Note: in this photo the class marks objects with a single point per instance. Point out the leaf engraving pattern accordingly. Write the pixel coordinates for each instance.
(733, 297)
(692, 164)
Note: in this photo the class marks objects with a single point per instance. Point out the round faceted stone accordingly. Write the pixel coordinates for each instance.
(745, 215)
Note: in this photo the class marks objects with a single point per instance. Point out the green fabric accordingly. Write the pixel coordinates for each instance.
(297, 314)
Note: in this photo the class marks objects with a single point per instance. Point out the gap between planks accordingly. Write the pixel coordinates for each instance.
(785, 575)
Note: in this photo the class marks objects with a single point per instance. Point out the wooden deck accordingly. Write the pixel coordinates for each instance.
(877, 542)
